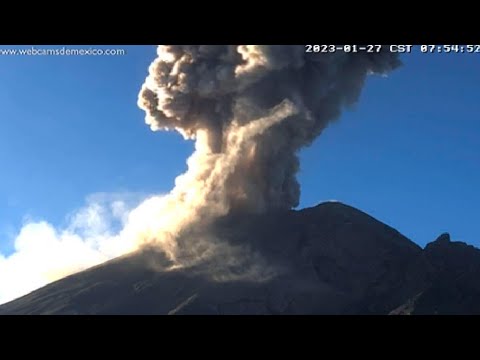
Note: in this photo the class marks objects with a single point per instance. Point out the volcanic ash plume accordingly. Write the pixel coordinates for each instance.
(249, 108)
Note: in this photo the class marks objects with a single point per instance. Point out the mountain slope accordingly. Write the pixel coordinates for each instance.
(455, 282)
(330, 259)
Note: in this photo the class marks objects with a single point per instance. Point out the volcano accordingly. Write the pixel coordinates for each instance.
(330, 259)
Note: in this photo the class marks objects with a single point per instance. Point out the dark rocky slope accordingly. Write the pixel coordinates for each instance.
(454, 286)
(331, 259)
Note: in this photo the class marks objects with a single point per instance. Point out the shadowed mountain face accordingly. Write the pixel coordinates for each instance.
(331, 259)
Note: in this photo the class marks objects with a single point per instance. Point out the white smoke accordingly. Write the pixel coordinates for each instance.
(93, 234)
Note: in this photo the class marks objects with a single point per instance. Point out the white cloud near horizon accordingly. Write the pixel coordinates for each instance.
(44, 253)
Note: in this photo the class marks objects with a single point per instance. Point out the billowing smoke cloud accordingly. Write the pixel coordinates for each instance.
(111, 225)
(249, 108)
(99, 231)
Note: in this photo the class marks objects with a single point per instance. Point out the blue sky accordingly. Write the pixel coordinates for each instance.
(408, 153)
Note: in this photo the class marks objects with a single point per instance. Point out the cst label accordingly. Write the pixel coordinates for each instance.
(401, 49)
